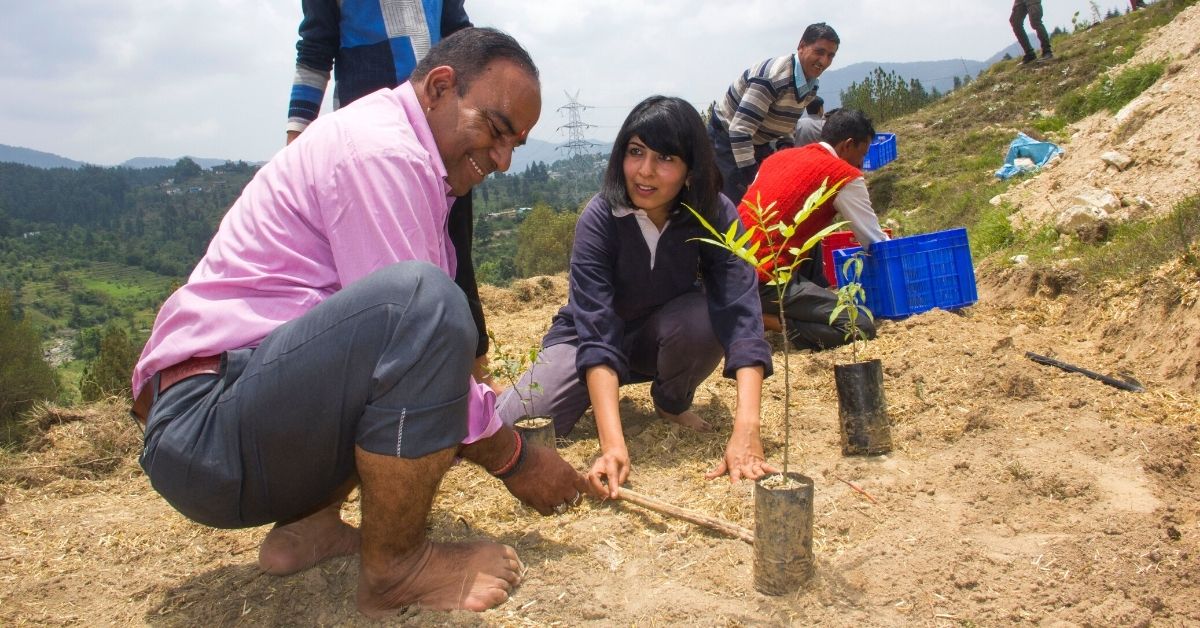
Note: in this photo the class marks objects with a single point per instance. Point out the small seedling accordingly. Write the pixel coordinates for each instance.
(850, 299)
(777, 234)
(509, 365)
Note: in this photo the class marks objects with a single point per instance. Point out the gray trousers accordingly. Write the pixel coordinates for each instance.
(807, 307)
(383, 364)
(1032, 9)
(675, 349)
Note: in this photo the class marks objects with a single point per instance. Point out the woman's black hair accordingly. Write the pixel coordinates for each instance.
(670, 126)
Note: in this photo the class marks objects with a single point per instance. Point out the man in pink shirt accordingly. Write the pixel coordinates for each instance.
(320, 343)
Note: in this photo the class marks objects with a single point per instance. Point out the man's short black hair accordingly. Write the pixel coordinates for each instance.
(846, 124)
(815, 106)
(820, 30)
(469, 51)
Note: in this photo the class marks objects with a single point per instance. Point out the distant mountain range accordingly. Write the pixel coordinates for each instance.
(939, 74)
(39, 159)
(548, 153)
(534, 150)
(36, 158)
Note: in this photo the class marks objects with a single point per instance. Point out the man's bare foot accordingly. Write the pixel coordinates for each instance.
(298, 545)
(687, 418)
(472, 576)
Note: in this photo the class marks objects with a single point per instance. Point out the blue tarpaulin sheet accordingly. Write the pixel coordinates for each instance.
(1027, 147)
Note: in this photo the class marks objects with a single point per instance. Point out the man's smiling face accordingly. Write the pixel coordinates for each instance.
(816, 57)
(476, 132)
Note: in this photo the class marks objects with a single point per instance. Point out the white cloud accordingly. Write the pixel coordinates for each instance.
(105, 81)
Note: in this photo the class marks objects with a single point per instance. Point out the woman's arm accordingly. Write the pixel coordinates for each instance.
(612, 467)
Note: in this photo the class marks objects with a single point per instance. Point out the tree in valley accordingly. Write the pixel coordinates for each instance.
(544, 241)
(886, 95)
(25, 378)
(108, 375)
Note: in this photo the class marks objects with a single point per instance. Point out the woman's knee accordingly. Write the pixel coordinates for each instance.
(687, 323)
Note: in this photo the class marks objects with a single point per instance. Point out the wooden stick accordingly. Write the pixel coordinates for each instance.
(712, 523)
(853, 486)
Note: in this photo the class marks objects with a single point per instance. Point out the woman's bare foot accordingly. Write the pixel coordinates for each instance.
(687, 418)
(298, 545)
(472, 576)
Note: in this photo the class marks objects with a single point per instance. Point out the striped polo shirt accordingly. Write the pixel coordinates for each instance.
(762, 105)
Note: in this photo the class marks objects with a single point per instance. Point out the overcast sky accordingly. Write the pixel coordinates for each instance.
(107, 80)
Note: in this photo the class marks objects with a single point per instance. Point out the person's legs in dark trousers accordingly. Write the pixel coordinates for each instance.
(734, 184)
(461, 229)
(807, 307)
(373, 381)
(1034, 8)
(678, 349)
(675, 349)
(382, 364)
(1017, 20)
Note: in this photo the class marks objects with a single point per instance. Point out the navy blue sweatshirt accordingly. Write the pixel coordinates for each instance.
(613, 289)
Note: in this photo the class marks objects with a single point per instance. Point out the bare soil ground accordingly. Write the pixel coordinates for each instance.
(1017, 493)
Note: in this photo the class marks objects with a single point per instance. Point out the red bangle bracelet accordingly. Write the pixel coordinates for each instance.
(516, 456)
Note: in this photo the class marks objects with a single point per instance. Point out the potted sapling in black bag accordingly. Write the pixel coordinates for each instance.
(508, 366)
(862, 408)
(783, 502)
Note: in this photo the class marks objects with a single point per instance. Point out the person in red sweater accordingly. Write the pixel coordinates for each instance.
(787, 178)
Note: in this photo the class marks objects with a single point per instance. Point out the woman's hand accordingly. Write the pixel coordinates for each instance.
(743, 459)
(612, 467)
(609, 471)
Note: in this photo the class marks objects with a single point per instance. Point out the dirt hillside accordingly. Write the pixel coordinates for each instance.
(1159, 131)
(1017, 493)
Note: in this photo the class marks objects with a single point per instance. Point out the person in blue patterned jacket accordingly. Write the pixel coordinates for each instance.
(367, 44)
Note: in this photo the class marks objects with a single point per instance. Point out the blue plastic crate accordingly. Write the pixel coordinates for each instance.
(906, 276)
(881, 152)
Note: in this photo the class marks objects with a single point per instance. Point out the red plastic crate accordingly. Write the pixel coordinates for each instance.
(832, 242)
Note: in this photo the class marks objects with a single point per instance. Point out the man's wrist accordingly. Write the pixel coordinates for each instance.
(494, 451)
(515, 462)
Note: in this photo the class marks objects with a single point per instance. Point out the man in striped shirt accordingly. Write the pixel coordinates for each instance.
(763, 105)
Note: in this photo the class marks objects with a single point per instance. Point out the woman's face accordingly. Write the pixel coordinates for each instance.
(652, 179)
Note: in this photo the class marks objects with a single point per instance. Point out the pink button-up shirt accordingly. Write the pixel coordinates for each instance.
(359, 190)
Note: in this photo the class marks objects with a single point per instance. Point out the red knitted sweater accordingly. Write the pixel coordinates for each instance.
(788, 178)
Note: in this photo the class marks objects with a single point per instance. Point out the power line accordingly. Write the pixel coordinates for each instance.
(576, 144)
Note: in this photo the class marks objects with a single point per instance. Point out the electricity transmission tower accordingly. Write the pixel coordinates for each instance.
(575, 126)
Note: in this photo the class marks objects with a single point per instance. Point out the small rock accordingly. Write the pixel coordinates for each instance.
(1173, 533)
(1136, 201)
(1089, 223)
(996, 200)
(1101, 199)
(1116, 160)
(1019, 260)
